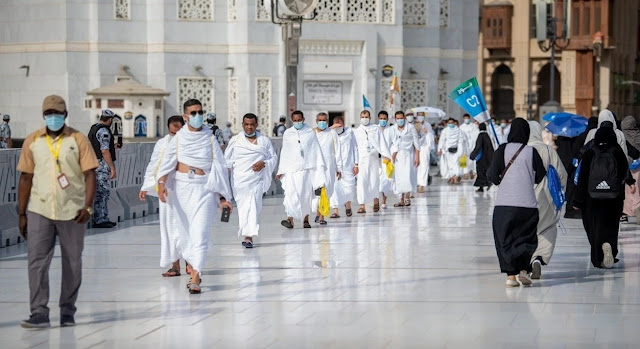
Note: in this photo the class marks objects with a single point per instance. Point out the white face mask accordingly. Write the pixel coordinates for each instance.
(409, 119)
(340, 129)
(365, 121)
(421, 118)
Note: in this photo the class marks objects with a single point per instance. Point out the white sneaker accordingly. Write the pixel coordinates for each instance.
(607, 262)
(511, 283)
(537, 269)
(523, 279)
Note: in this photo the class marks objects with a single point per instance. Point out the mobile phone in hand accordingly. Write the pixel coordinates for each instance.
(226, 212)
(119, 142)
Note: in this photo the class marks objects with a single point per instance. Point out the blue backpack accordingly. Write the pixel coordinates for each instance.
(554, 185)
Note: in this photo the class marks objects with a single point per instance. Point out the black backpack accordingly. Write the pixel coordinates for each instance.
(603, 175)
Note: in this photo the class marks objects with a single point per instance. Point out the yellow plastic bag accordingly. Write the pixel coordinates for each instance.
(389, 168)
(463, 161)
(324, 208)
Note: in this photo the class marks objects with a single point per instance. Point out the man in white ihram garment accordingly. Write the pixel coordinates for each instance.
(451, 147)
(345, 189)
(332, 155)
(386, 182)
(301, 170)
(406, 158)
(169, 252)
(201, 181)
(471, 130)
(251, 158)
(371, 145)
(427, 143)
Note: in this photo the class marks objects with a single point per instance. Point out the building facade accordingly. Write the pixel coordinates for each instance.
(229, 54)
(598, 67)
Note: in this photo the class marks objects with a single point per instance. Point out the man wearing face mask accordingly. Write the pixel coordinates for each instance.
(406, 158)
(427, 143)
(451, 146)
(471, 131)
(302, 170)
(332, 154)
(345, 188)
(386, 183)
(371, 145)
(503, 131)
(193, 164)
(103, 144)
(251, 159)
(55, 196)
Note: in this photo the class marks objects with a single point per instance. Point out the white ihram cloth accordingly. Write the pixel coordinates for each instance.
(332, 155)
(548, 217)
(303, 170)
(450, 162)
(406, 141)
(345, 189)
(248, 185)
(371, 143)
(471, 130)
(169, 251)
(386, 183)
(196, 197)
(427, 143)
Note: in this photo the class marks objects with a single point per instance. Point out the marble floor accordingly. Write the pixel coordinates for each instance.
(420, 277)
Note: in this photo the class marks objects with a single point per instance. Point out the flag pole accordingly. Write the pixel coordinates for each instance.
(495, 134)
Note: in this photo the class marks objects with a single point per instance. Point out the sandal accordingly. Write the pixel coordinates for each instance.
(189, 283)
(247, 244)
(407, 203)
(322, 222)
(317, 219)
(334, 215)
(376, 207)
(171, 273)
(194, 288)
(349, 212)
(287, 224)
(399, 204)
(306, 225)
(362, 210)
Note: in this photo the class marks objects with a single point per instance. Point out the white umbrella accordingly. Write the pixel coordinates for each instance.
(430, 110)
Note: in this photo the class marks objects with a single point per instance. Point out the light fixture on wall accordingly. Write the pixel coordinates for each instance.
(197, 69)
(230, 70)
(27, 68)
(443, 72)
(124, 69)
(373, 71)
(412, 71)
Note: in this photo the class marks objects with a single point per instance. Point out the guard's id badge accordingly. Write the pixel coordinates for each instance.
(63, 181)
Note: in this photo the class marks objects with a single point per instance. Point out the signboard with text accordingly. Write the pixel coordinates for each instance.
(322, 92)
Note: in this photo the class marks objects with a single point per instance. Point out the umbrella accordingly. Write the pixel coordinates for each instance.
(429, 110)
(565, 124)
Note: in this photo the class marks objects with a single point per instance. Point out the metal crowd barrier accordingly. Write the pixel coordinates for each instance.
(124, 204)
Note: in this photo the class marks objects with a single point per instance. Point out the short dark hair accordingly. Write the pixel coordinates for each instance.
(338, 117)
(283, 119)
(298, 112)
(250, 116)
(105, 118)
(451, 119)
(466, 115)
(190, 103)
(383, 112)
(175, 118)
(399, 112)
(322, 114)
(365, 112)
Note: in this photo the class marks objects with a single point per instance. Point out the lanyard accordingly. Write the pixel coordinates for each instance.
(55, 151)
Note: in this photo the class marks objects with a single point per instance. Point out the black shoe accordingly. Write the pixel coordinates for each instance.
(67, 321)
(429, 180)
(113, 224)
(104, 225)
(247, 244)
(480, 190)
(285, 223)
(36, 321)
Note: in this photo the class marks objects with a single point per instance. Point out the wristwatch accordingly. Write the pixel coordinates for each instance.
(89, 210)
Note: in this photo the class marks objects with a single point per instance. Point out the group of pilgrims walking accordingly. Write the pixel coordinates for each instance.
(335, 165)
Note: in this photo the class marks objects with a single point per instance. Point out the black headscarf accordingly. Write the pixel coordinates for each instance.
(519, 131)
(605, 136)
(593, 123)
(607, 124)
(482, 127)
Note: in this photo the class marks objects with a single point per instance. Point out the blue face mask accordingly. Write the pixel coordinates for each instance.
(400, 122)
(298, 125)
(384, 123)
(251, 135)
(451, 125)
(196, 121)
(54, 122)
(322, 125)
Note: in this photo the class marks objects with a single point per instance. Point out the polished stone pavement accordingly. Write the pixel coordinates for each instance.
(420, 277)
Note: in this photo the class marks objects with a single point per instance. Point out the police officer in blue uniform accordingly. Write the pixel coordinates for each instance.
(103, 144)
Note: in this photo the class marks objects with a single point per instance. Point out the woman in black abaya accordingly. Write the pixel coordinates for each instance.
(484, 148)
(601, 217)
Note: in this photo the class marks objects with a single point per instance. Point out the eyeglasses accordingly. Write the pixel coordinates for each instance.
(199, 112)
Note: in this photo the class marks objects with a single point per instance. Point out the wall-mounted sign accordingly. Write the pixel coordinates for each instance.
(128, 115)
(387, 71)
(322, 92)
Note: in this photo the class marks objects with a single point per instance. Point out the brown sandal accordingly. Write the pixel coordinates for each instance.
(334, 215)
(376, 207)
(194, 288)
(362, 210)
(399, 204)
(349, 212)
(171, 273)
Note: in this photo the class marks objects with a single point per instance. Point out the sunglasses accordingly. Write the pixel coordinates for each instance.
(199, 112)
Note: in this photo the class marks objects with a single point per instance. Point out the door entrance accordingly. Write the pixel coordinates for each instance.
(333, 114)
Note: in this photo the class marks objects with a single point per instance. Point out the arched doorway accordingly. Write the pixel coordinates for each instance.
(116, 126)
(544, 89)
(502, 93)
(140, 126)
